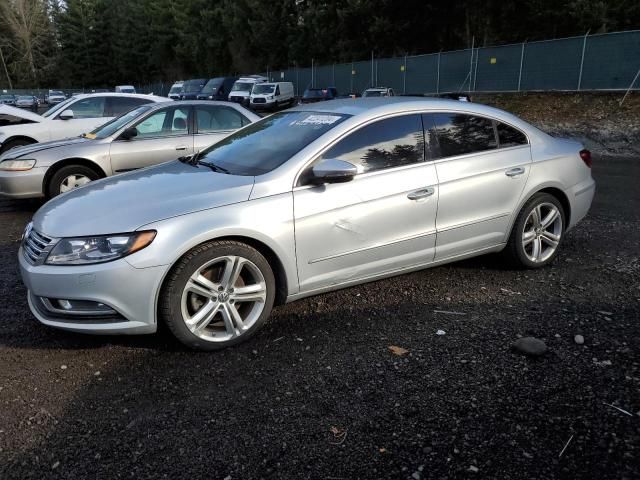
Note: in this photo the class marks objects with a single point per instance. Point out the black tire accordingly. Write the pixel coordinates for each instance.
(169, 305)
(18, 142)
(55, 182)
(515, 251)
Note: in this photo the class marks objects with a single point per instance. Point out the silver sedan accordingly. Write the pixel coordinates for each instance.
(145, 136)
(305, 201)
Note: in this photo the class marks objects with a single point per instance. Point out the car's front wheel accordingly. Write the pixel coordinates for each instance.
(68, 178)
(218, 295)
(537, 232)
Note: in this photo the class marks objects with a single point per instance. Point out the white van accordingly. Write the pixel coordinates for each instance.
(125, 89)
(176, 90)
(241, 90)
(271, 96)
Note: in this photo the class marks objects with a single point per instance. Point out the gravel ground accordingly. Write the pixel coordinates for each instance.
(318, 393)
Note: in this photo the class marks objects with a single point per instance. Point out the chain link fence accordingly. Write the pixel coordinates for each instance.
(607, 61)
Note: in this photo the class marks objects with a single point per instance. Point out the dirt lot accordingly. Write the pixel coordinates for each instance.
(317, 394)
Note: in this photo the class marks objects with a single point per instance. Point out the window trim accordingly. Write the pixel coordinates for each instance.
(353, 130)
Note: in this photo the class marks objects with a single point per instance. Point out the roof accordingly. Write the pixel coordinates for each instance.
(154, 98)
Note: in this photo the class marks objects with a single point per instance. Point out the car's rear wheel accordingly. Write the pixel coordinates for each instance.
(537, 233)
(18, 142)
(218, 295)
(70, 177)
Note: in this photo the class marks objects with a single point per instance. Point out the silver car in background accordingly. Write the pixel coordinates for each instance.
(304, 201)
(147, 135)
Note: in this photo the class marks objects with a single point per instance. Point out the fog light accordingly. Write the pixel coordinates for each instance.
(79, 307)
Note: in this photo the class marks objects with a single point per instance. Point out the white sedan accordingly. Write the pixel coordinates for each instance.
(70, 118)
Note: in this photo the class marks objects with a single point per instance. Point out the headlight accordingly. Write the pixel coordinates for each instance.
(270, 97)
(17, 165)
(99, 249)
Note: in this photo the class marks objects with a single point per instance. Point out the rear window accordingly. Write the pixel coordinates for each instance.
(270, 142)
(459, 134)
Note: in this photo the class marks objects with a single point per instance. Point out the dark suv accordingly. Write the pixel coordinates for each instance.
(312, 95)
(192, 88)
(217, 88)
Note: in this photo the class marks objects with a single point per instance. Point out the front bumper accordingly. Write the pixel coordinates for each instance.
(26, 184)
(268, 105)
(130, 291)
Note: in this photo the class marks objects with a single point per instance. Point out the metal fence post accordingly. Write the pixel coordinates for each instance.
(521, 63)
(351, 79)
(473, 42)
(438, 75)
(475, 72)
(584, 46)
(404, 77)
(333, 75)
(371, 82)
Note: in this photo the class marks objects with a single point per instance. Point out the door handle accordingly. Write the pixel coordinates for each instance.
(181, 147)
(514, 172)
(422, 193)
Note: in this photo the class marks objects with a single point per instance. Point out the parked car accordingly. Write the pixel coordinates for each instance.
(192, 88)
(208, 245)
(313, 95)
(8, 99)
(176, 90)
(55, 96)
(146, 135)
(125, 89)
(217, 89)
(27, 101)
(378, 92)
(70, 118)
(271, 96)
(241, 90)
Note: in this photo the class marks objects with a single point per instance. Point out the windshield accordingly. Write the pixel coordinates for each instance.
(263, 88)
(212, 85)
(56, 93)
(270, 142)
(127, 90)
(193, 86)
(59, 106)
(25, 97)
(117, 123)
(176, 89)
(242, 87)
(6, 97)
(372, 93)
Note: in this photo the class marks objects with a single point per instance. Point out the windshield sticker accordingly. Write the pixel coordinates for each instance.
(92, 136)
(317, 120)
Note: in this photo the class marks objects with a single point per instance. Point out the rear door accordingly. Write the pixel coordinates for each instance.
(163, 135)
(212, 123)
(482, 169)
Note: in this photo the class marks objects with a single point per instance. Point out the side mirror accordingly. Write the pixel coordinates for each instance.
(332, 171)
(129, 133)
(66, 115)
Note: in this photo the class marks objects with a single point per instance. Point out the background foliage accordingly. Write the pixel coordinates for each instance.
(101, 43)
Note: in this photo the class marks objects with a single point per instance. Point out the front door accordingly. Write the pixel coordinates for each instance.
(162, 136)
(382, 221)
(482, 170)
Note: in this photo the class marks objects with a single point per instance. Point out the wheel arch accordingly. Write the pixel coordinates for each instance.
(277, 266)
(51, 171)
(551, 189)
(17, 137)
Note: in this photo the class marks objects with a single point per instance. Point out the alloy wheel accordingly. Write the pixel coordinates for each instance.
(223, 298)
(542, 232)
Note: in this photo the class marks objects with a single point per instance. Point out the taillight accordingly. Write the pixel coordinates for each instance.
(585, 155)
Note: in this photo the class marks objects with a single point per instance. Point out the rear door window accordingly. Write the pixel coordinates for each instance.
(212, 118)
(510, 137)
(460, 134)
(118, 105)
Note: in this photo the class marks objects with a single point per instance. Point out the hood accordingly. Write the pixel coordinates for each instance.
(126, 202)
(39, 147)
(9, 111)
